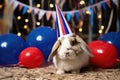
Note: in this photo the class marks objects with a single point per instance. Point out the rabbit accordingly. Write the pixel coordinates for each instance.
(70, 53)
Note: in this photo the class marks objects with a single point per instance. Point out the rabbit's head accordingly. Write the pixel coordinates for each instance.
(69, 47)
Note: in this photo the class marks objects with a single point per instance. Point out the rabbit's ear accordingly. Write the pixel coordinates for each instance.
(54, 50)
(84, 45)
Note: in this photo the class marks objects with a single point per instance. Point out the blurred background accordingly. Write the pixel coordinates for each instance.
(88, 18)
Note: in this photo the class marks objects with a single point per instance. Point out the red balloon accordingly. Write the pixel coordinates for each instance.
(105, 54)
(31, 57)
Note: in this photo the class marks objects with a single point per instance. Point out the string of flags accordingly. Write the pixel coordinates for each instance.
(69, 14)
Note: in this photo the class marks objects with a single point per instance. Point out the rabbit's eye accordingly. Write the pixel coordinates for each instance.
(73, 42)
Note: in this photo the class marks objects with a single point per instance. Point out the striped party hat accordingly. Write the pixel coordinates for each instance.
(62, 27)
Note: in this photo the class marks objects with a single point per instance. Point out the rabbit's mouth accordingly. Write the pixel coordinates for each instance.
(70, 54)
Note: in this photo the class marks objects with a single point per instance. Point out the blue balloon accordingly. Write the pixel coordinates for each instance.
(42, 38)
(10, 47)
(112, 38)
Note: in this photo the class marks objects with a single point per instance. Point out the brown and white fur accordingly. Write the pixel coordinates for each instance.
(70, 53)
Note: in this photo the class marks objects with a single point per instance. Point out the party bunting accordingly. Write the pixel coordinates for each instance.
(69, 14)
(104, 6)
(108, 3)
(20, 7)
(15, 4)
(36, 11)
(116, 2)
(68, 17)
(24, 10)
(41, 14)
(48, 15)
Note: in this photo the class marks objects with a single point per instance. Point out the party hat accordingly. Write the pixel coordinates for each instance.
(62, 27)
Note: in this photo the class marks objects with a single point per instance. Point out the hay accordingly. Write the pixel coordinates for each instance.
(48, 73)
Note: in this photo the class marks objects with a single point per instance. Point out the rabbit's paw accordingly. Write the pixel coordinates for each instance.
(75, 71)
(59, 71)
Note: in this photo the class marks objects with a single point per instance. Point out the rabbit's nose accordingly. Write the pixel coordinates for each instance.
(67, 54)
